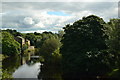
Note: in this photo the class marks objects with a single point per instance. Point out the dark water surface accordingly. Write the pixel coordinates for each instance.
(24, 67)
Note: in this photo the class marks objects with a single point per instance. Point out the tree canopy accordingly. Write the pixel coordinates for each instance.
(9, 45)
(113, 43)
(83, 50)
(49, 46)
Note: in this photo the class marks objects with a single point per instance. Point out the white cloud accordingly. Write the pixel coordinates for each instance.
(60, 1)
(27, 17)
(39, 25)
(28, 21)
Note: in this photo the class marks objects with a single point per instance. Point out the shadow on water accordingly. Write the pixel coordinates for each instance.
(50, 71)
(9, 65)
(21, 67)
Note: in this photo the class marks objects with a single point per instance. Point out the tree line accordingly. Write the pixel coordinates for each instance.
(89, 48)
(11, 47)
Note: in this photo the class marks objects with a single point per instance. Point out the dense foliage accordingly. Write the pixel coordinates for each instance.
(13, 32)
(0, 42)
(90, 48)
(84, 50)
(37, 39)
(113, 42)
(49, 47)
(10, 46)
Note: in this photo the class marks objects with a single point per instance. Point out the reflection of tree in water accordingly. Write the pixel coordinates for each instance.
(9, 65)
(32, 61)
(50, 72)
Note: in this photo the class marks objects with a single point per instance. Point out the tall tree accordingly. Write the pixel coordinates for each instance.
(113, 42)
(83, 49)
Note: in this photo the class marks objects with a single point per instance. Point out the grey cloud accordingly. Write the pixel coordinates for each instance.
(60, 0)
(15, 13)
(57, 6)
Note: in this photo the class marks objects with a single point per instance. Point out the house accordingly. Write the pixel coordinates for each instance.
(21, 40)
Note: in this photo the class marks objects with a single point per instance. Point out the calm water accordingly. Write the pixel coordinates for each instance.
(27, 71)
(24, 67)
(21, 67)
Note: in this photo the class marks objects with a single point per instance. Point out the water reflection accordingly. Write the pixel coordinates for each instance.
(9, 65)
(20, 67)
(24, 67)
(26, 71)
(50, 71)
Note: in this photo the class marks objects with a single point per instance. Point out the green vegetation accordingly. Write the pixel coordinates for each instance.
(24, 47)
(113, 42)
(13, 32)
(10, 46)
(8, 68)
(89, 48)
(5, 75)
(50, 48)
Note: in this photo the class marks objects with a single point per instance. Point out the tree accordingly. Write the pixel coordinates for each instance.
(114, 34)
(48, 47)
(10, 46)
(83, 50)
(31, 37)
(60, 34)
(113, 42)
(38, 41)
(13, 32)
(35, 33)
(0, 42)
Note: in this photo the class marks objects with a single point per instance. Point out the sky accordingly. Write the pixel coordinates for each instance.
(39, 16)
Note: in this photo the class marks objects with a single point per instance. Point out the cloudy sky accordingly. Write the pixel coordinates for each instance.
(38, 16)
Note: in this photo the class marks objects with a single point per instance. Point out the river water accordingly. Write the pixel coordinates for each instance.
(22, 71)
(24, 67)
(21, 67)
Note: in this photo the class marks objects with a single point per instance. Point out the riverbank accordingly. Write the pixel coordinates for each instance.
(20, 67)
(0, 66)
(2, 57)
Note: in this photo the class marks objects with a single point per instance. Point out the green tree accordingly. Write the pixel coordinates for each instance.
(83, 50)
(48, 47)
(38, 41)
(113, 42)
(60, 34)
(0, 42)
(10, 46)
(31, 37)
(13, 32)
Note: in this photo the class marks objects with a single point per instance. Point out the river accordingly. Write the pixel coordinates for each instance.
(24, 67)
(21, 67)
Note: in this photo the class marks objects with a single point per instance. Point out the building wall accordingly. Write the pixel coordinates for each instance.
(28, 42)
(20, 40)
